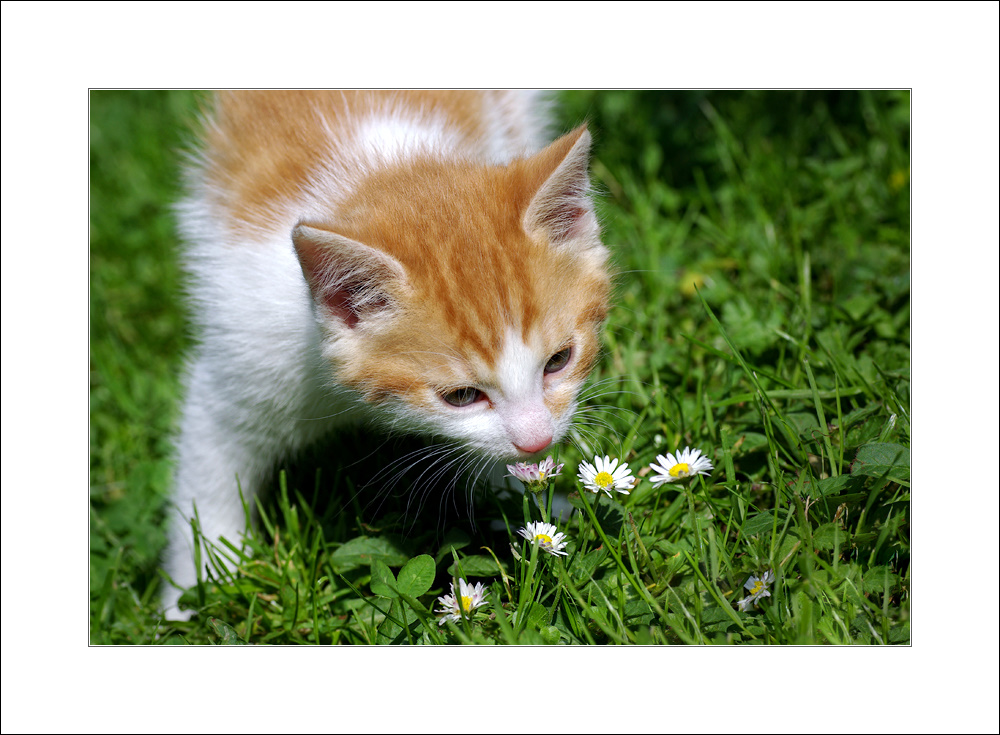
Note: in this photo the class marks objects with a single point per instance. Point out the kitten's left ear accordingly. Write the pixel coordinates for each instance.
(561, 207)
(351, 282)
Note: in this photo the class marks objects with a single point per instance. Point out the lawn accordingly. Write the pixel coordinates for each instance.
(761, 244)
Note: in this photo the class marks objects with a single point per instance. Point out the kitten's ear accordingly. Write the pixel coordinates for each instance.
(561, 207)
(350, 281)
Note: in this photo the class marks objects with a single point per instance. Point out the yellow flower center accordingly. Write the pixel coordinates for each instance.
(466, 603)
(680, 470)
(757, 587)
(898, 180)
(603, 479)
(542, 538)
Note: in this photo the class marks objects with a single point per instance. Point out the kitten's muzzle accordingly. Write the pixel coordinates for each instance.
(534, 447)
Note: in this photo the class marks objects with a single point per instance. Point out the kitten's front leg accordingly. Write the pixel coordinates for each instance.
(217, 457)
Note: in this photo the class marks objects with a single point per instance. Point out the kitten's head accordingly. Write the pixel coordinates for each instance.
(465, 299)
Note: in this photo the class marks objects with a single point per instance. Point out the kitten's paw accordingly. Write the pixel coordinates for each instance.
(170, 598)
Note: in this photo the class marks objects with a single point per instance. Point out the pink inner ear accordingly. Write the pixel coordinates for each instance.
(349, 281)
(561, 206)
(569, 223)
(346, 303)
(563, 219)
(340, 304)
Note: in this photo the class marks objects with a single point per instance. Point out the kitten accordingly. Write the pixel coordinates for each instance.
(410, 259)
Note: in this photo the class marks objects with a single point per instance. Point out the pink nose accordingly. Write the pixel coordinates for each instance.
(534, 447)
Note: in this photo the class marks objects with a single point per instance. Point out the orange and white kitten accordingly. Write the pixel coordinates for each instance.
(413, 259)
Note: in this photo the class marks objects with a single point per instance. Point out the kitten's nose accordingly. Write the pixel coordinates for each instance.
(534, 447)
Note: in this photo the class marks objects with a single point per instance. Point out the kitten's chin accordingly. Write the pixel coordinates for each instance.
(517, 454)
(521, 455)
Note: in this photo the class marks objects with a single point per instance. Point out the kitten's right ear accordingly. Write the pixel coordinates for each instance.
(561, 207)
(349, 281)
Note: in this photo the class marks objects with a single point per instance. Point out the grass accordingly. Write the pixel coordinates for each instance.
(762, 315)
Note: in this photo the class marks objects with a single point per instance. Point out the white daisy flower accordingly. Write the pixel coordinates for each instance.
(757, 586)
(685, 464)
(603, 475)
(469, 598)
(535, 473)
(547, 537)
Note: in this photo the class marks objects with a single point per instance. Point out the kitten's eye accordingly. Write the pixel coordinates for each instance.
(558, 361)
(463, 396)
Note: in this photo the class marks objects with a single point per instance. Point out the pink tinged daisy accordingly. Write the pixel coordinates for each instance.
(548, 468)
(685, 464)
(605, 474)
(546, 536)
(523, 472)
(535, 473)
(757, 587)
(468, 599)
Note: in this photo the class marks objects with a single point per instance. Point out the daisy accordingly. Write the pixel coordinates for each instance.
(602, 475)
(757, 587)
(548, 468)
(546, 536)
(535, 473)
(685, 464)
(469, 598)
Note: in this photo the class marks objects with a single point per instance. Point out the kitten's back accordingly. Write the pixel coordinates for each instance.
(263, 149)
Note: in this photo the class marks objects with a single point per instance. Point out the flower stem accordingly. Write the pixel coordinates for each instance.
(639, 588)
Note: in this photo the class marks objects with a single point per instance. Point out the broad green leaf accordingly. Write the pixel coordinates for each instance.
(834, 485)
(858, 415)
(748, 327)
(864, 538)
(789, 543)
(550, 635)
(582, 567)
(226, 632)
(860, 304)
(805, 424)
(363, 550)
(880, 579)
(475, 566)
(389, 630)
(760, 523)
(383, 582)
(829, 535)
(414, 603)
(610, 513)
(749, 441)
(882, 460)
(900, 635)
(673, 548)
(536, 614)
(638, 612)
(417, 576)
(715, 614)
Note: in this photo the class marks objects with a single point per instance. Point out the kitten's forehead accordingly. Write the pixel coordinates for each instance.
(516, 369)
(457, 232)
(475, 273)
